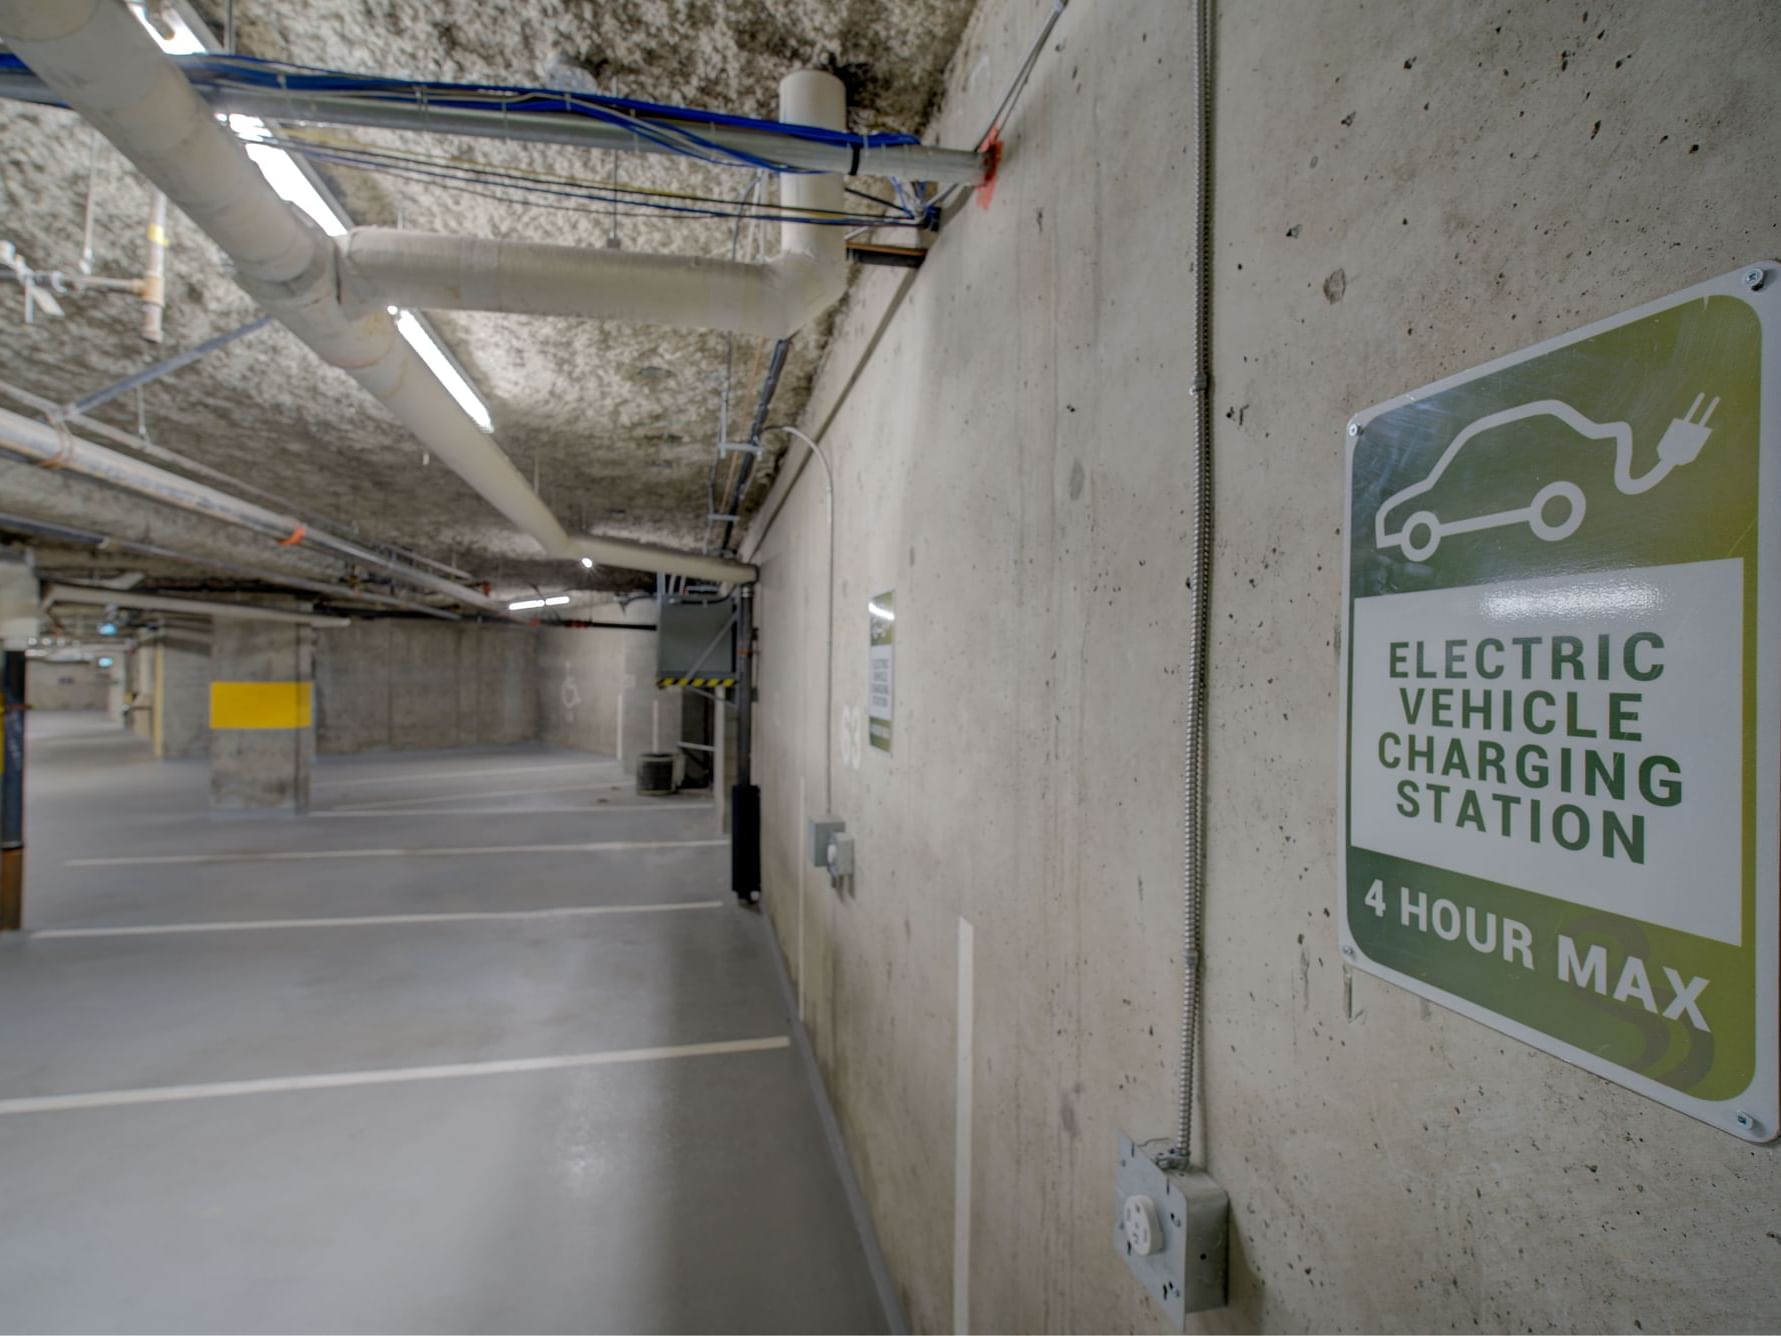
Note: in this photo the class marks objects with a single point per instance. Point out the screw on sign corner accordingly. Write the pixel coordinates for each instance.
(1753, 278)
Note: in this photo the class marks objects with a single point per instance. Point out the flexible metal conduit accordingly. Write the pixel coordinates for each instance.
(1193, 771)
(39, 443)
(103, 64)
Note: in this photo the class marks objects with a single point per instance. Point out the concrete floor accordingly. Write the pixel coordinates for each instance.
(242, 1116)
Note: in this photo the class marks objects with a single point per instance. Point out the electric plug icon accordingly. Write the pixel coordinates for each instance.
(1683, 438)
(1554, 512)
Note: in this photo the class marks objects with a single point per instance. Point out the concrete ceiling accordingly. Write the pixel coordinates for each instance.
(616, 422)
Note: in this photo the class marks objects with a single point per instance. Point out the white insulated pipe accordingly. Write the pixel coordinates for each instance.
(154, 269)
(199, 607)
(103, 64)
(432, 271)
(41, 444)
(774, 299)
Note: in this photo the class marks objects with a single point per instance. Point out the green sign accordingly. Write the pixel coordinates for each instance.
(1560, 693)
(880, 689)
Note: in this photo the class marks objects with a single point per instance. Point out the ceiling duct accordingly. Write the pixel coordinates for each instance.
(103, 64)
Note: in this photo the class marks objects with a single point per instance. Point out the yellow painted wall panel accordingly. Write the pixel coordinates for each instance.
(262, 704)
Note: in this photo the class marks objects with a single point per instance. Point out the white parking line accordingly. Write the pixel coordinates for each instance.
(467, 851)
(105, 1099)
(385, 804)
(415, 774)
(372, 920)
(665, 805)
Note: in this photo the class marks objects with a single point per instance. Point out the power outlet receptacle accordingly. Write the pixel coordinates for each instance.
(821, 830)
(1172, 1227)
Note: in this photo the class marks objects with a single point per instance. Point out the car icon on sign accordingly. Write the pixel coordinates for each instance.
(1555, 511)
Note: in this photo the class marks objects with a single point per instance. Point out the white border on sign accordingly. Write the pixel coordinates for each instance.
(1761, 1100)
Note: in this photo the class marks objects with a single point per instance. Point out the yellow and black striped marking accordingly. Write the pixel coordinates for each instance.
(695, 681)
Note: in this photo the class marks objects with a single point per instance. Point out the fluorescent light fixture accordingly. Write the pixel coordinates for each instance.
(105, 662)
(107, 628)
(181, 41)
(284, 176)
(277, 166)
(443, 367)
(588, 563)
(554, 601)
(883, 614)
(292, 185)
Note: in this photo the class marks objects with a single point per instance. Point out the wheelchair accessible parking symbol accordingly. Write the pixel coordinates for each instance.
(1561, 698)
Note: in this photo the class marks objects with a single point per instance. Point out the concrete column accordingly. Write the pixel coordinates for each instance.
(118, 691)
(140, 700)
(182, 696)
(262, 734)
(724, 745)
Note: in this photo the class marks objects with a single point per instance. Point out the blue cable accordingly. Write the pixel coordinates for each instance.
(661, 123)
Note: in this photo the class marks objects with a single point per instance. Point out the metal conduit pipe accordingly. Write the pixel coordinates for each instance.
(39, 443)
(103, 64)
(111, 543)
(201, 607)
(383, 556)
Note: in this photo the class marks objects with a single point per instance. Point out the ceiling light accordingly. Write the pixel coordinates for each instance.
(556, 600)
(443, 367)
(277, 166)
(105, 662)
(293, 185)
(525, 603)
(588, 563)
(171, 35)
(284, 176)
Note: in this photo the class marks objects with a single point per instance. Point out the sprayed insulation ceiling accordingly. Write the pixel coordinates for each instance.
(617, 423)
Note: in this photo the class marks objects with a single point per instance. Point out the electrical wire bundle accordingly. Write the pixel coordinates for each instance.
(669, 127)
(577, 194)
(673, 129)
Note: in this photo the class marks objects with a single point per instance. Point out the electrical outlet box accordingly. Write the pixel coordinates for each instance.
(840, 858)
(1173, 1229)
(822, 830)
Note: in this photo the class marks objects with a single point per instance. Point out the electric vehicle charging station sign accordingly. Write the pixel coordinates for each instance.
(1561, 703)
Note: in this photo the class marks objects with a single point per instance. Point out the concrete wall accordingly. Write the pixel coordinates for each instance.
(596, 688)
(181, 721)
(67, 686)
(395, 685)
(140, 696)
(1404, 190)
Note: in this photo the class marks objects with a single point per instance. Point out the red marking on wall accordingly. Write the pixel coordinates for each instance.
(991, 148)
